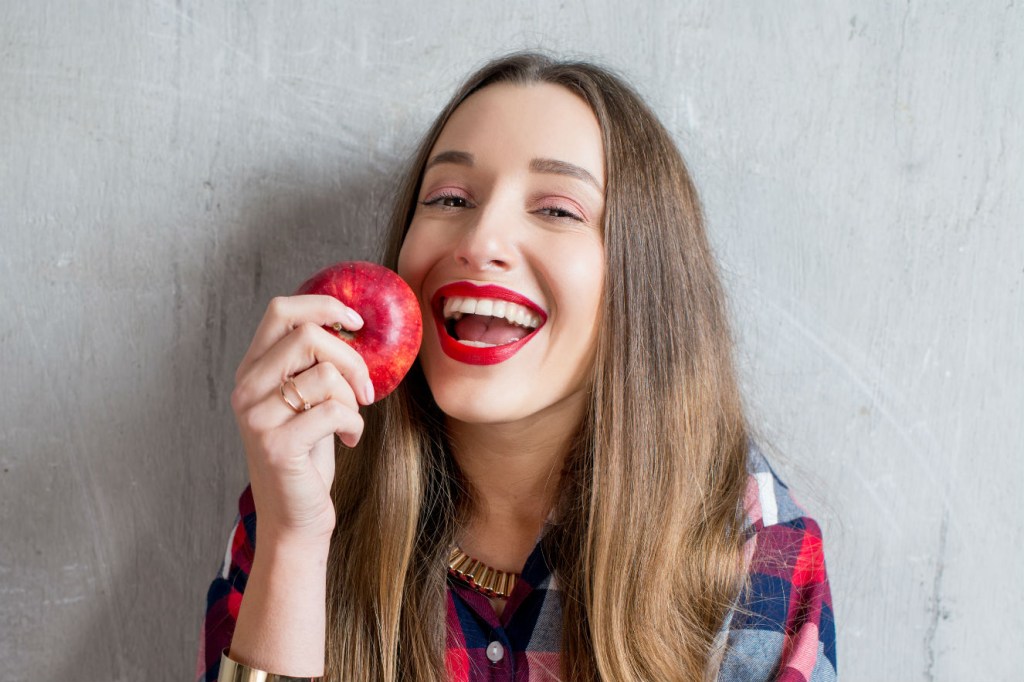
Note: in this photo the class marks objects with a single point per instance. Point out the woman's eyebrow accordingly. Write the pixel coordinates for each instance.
(451, 156)
(564, 168)
(536, 165)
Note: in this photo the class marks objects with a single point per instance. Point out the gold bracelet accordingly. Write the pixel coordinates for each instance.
(232, 671)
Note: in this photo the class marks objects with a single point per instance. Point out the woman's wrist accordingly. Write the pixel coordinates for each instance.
(284, 545)
(309, 534)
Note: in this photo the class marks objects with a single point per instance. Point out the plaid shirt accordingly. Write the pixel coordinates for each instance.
(781, 629)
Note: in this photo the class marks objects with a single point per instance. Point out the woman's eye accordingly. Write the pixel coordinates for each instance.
(447, 201)
(556, 212)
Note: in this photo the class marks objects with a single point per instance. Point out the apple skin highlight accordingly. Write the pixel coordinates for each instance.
(392, 331)
(469, 354)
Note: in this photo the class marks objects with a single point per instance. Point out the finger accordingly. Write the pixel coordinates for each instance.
(296, 437)
(324, 381)
(306, 346)
(285, 313)
(319, 383)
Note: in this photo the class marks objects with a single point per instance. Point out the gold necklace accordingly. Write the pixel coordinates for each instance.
(479, 576)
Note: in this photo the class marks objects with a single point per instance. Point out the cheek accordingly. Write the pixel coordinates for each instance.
(578, 275)
(417, 258)
(585, 281)
(590, 288)
(412, 259)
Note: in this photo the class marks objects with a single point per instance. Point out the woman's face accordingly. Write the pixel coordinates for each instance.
(505, 253)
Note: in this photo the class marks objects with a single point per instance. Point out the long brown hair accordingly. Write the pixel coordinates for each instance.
(648, 551)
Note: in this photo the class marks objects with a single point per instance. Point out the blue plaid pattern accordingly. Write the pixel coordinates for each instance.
(782, 626)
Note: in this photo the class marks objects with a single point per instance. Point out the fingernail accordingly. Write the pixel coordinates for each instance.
(368, 392)
(353, 318)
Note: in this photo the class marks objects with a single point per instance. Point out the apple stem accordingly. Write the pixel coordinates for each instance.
(342, 332)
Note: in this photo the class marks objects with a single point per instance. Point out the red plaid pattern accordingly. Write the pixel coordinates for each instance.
(780, 629)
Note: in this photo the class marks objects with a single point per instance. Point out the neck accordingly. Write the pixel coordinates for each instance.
(514, 471)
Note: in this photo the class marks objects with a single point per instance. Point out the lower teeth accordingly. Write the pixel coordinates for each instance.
(476, 344)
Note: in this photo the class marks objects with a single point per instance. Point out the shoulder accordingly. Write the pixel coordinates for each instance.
(768, 501)
(782, 626)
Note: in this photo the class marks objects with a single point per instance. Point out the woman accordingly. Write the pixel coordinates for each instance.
(573, 425)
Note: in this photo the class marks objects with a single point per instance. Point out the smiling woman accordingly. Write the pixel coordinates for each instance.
(564, 486)
(509, 212)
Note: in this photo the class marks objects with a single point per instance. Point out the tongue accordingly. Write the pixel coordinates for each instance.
(493, 330)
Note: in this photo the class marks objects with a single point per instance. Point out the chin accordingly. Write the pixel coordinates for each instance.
(502, 394)
(478, 405)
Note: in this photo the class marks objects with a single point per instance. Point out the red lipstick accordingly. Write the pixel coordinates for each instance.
(469, 354)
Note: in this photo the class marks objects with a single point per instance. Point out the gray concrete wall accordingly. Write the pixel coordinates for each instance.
(167, 167)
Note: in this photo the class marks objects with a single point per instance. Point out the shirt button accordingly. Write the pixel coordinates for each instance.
(495, 652)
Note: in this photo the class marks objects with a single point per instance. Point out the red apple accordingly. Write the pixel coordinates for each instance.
(392, 324)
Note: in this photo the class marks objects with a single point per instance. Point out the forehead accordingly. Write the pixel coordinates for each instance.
(517, 123)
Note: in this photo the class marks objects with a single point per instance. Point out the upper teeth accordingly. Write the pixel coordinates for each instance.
(458, 306)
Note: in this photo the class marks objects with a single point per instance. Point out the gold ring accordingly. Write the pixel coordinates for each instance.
(297, 408)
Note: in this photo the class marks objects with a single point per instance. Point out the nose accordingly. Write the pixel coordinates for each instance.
(487, 242)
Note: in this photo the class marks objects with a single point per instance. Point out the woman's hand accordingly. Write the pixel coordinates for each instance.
(290, 450)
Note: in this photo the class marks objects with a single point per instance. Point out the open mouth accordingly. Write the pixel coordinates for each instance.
(484, 324)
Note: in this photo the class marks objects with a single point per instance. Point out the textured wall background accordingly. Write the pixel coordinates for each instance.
(167, 167)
